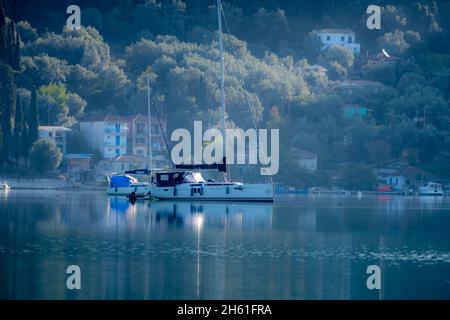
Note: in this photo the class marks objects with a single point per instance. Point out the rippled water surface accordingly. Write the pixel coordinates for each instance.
(315, 247)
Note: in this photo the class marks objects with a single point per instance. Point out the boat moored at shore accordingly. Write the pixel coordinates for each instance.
(190, 185)
(431, 189)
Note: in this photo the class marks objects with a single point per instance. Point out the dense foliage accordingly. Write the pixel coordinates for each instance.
(104, 68)
(44, 155)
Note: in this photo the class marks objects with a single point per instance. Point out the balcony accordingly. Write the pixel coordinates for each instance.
(113, 144)
(122, 130)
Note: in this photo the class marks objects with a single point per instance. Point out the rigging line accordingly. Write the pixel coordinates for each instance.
(241, 78)
(162, 130)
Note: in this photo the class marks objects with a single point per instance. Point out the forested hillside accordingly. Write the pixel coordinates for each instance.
(70, 74)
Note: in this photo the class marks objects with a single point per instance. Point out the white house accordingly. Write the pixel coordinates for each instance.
(106, 133)
(305, 159)
(337, 37)
(55, 133)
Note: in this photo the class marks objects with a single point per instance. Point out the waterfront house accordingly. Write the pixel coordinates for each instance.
(123, 163)
(108, 134)
(55, 133)
(78, 166)
(305, 159)
(138, 138)
(337, 37)
(116, 136)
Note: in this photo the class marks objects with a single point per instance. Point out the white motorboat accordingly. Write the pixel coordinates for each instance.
(431, 189)
(124, 185)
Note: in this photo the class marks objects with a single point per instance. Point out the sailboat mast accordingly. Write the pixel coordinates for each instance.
(222, 78)
(149, 127)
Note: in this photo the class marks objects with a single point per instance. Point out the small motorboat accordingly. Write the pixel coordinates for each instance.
(124, 185)
(5, 187)
(431, 189)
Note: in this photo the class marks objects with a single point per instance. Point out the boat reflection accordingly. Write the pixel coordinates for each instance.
(212, 214)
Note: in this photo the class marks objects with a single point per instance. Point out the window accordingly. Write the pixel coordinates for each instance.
(139, 152)
(342, 38)
(140, 141)
(140, 128)
(117, 151)
(117, 140)
(117, 127)
(328, 38)
(350, 39)
(50, 134)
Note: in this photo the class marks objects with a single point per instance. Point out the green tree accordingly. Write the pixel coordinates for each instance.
(45, 155)
(358, 177)
(53, 99)
(339, 54)
(27, 32)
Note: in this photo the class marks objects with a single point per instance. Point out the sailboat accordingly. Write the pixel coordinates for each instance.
(185, 182)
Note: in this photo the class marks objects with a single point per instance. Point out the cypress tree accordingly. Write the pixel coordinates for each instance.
(9, 41)
(18, 129)
(3, 46)
(33, 120)
(13, 46)
(2, 157)
(7, 106)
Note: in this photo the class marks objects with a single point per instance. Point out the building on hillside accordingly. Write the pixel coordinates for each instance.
(337, 37)
(351, 87)
(139, 137)
(55, 133)
(315, 68)
(353, 111)
(380, 58)
(108, 134)
(116, 136)
(305, 159)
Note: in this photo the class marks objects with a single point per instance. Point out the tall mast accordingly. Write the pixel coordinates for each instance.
(222, 79)
(149, 127)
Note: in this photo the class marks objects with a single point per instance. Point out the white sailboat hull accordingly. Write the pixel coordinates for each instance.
(215, 192)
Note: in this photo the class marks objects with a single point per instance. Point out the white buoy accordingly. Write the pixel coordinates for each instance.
(359, 194)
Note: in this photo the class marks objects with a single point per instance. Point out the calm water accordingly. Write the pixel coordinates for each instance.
(298, 248)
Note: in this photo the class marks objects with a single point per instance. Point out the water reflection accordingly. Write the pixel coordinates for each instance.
(302, 247)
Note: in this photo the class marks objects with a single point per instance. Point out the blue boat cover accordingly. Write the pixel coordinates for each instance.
(121, 181)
